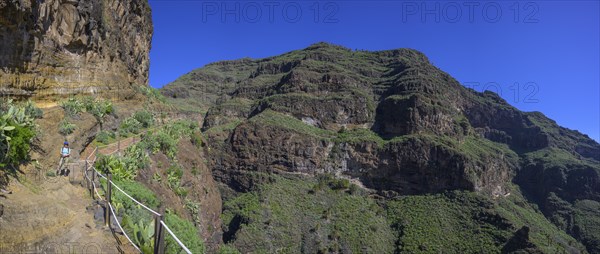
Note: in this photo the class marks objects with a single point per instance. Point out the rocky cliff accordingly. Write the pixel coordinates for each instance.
(62, 47)
(395, 123)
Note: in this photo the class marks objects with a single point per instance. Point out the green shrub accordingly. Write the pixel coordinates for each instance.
(141, 232)
(196, 139)
(32, 110)
(65, 127)
(130, 125)
(138, 191)
(72, 107)
(228, 249)
(21, 137)
(355, 189)
(174, 174)
(120, 168)
(166, 138)
(144, 117)
(340, 184)
(152, 94)
(182, 128)
(137, 221)
(186, 232)
(332, 182)
(104, 137)
(167, 144)
(137, 155)
(99, 109)
(194, 208)
(280, 214)
(17, 129)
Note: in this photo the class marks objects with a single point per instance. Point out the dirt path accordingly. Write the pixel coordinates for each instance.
(54, 216)
(46, 214)
(109, 149)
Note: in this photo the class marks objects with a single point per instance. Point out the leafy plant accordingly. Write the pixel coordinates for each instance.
(174, 174)
(145, 118)
(21, 137)
(118, 207)
(194, 208)
(117, 166)
(142, 234)
(17, 129)
(137, 156)
(166, 143)
(228, 249)
(153, 94)
(137, 222)
(72, 107)
(32, 110)
(104, 137)
(99, 109)
(156, 177)
(130, 125)
(186, 232)
(65, 127)
(196, 139)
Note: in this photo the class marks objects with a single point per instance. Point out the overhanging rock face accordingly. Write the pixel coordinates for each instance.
(61, 47)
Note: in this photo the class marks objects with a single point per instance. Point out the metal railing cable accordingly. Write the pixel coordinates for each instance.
(121, 228)
(111, 209)
(127, 195)
(175, 237)
(94, 171)
(96, 190)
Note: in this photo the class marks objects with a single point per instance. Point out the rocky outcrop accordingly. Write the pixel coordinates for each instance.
(59, 47)
(201, 191)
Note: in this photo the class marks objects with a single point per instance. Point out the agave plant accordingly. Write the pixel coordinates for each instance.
(5, 127)
(120, 168)
(4, 138)
(143, 234)
(99, 109)
(12, 117)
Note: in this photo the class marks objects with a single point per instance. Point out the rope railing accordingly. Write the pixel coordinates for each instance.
(92, 153)
(175, 237)
(121, 228)
(111, 209)
(158, 216)
(96, 190)
(130, 197)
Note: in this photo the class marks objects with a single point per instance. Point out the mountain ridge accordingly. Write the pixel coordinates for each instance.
(392, 120)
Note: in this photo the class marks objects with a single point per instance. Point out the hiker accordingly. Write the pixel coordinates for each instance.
(65, 152)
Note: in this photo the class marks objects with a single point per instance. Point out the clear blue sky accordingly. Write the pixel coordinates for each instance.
(541, 56)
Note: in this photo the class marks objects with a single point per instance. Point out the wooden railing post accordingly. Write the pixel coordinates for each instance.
(159, 233)
(108, 198)
(118, 144)
(92, 183)
(88, 185)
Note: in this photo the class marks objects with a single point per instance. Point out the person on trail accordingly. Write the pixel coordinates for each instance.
(65, 152)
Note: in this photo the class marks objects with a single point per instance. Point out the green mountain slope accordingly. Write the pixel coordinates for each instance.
(408, 132)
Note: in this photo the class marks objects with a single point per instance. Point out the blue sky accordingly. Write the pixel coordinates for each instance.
(540, 55)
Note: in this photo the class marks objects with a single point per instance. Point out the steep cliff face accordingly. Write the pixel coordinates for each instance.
(393, 121)
(62, 47)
